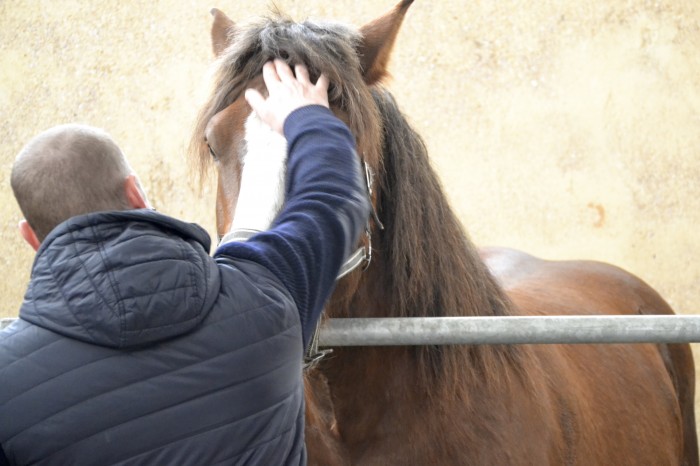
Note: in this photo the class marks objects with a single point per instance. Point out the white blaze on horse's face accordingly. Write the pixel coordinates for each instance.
(263, 177)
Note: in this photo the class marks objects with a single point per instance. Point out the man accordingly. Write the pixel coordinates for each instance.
(133, 345)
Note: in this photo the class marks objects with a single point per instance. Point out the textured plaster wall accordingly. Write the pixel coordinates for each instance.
(568, 129)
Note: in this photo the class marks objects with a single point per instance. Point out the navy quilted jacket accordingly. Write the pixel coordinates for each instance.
(135, 346)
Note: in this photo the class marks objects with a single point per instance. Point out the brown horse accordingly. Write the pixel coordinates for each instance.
(453, 405)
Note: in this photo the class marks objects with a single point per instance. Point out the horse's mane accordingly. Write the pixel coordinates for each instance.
(433, 262)
(428, 265)
(432, 268)
(324, 47)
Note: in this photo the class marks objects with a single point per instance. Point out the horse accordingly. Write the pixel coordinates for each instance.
(456, 404)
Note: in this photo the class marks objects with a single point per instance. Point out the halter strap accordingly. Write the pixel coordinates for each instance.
(238, 234)
(358, 257)
(363, 255)
(354, 261)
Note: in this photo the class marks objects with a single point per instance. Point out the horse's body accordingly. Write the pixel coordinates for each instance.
(615, 374)
(477, 405)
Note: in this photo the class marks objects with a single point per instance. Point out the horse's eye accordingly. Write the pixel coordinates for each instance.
(212, 153)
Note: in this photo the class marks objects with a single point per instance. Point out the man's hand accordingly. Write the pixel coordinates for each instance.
(287, 93)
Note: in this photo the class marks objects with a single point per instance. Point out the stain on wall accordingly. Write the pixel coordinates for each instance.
(564, 128)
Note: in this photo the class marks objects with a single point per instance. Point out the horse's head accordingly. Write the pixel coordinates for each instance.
(227, 131)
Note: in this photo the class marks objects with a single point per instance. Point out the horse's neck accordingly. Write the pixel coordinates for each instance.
(380, 398)
(373, 387)
(423, 266)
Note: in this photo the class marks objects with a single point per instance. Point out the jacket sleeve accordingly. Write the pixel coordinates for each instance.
(324, 213)
(3, 459)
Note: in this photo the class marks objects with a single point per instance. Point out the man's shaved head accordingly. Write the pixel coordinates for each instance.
(66, 171)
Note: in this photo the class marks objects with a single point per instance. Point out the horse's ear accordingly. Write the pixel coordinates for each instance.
(221, 29)
(378, 39)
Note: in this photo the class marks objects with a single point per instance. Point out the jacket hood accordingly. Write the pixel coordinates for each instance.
(122, 279)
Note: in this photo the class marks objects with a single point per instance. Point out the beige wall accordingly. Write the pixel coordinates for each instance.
(565, 128)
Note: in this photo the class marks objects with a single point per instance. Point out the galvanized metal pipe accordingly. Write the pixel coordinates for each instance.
(510, 330)
(506, 330)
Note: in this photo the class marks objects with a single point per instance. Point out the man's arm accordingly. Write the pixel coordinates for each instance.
(326, 206)
(3, 459)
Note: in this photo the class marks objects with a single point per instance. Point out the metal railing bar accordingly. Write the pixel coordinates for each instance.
(409, 331)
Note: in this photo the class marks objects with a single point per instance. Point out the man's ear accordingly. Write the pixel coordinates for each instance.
(29, 235)
(134, 194)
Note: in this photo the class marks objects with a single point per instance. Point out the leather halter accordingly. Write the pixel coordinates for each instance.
(362, 255)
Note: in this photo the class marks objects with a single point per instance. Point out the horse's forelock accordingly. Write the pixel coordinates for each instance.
(323, 47)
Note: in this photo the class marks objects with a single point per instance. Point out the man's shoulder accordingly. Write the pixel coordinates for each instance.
(256, 312)
(22, 335)
(253, 285)
(20, 343)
